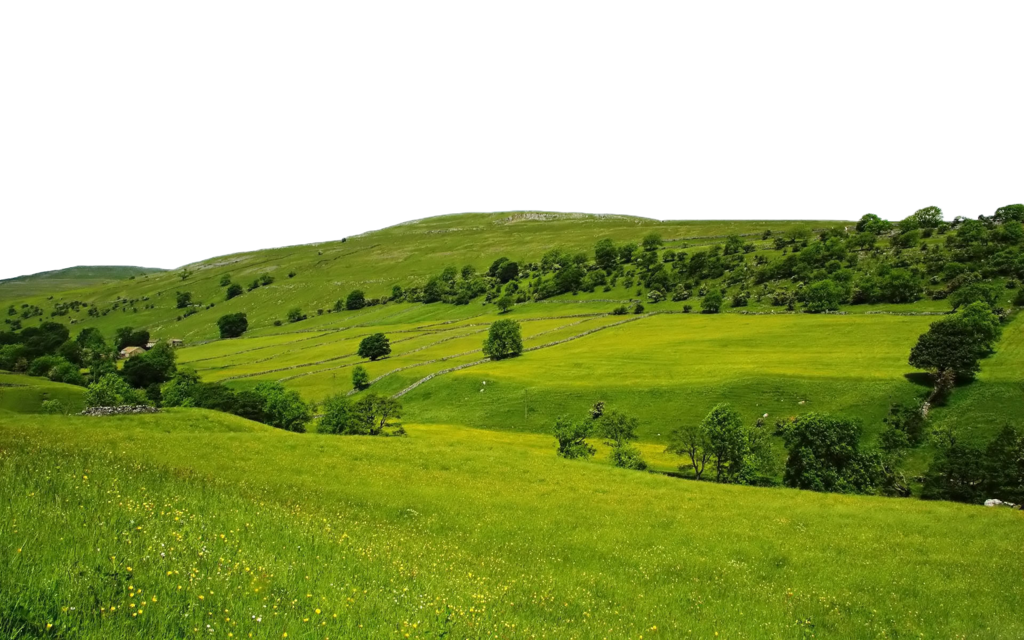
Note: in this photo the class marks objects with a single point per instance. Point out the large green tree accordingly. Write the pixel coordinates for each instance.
(504, 340)
(375, 346)
(233, 325)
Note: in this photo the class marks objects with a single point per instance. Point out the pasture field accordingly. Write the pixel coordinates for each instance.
(191, 523)
(25, 394)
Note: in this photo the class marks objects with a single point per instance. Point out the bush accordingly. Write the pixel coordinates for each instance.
(571, 436)
(975, 292)
(296, 315)
(183, 299)
(67, 373)
(504, 340)
(824, 295)
(374, 346)
(355, 300)
(620, 310)
(824, 455)
(156, 366)
(505, 303)
(628, 456)
(712, 301)
(42, 366)
(112, 391)
(55, 407)
(233, 325)
(337, 418)
(360, 379)
(233, 291)
(282, 408)
(225, 280)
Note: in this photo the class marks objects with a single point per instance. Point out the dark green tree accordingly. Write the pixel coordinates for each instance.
(282, 408)
(505, 303)
(957, 343)
(652, 241)
(824, 455)
(374, 346)
(233, 291)
(726, 440)
(183, 299)
(233, 325)
(712, 301)
(355, 300)
(606, 255)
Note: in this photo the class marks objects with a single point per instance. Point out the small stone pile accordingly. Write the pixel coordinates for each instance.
(125, 409)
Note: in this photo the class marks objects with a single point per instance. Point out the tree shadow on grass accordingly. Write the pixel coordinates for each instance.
(923, 379)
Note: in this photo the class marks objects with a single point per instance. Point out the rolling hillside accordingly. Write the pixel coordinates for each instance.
(48, 283)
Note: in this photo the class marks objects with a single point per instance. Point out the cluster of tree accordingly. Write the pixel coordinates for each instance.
(267, 402)
(739, 453)
(48, 350)
(370, 415)
(965, 471)
(617, 428)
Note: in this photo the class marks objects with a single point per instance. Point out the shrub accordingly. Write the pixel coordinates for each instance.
(975, 292)
(360, 379)
(233, 325)
(374, 346)
(295, 315)
(43, 365)
(112, 391)
(504, 340)
(55, 407)
(337, 418)
(628, 456)
(225, 280)
(712, 301)
(824, 455)
(67, 373)
(233, 291)
(572, 438)
(282, 408)
(355, 300)
(620, 310)
(824, 295)
(183, 299)
(505, 303)
(638, 308)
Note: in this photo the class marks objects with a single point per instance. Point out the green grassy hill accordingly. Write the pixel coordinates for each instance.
(47, 283)
(190, 523)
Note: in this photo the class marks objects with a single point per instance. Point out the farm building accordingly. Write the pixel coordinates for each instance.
(128, 352)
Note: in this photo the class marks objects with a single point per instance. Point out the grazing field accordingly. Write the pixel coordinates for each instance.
(24, 394)
(193, 523)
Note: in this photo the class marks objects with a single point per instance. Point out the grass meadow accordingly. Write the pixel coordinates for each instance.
(196, 524)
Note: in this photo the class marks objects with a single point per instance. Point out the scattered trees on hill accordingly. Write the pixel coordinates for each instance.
(374, 346)
(504, 340)
(233, 325)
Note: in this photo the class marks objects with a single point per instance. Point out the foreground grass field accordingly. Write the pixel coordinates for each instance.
(191, 523)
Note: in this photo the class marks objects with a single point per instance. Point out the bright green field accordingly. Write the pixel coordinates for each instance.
(221, 526)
